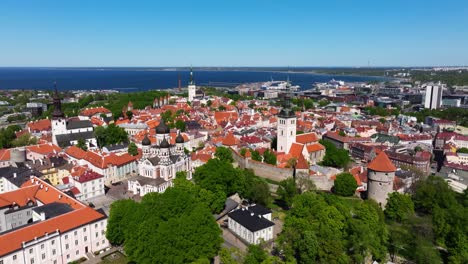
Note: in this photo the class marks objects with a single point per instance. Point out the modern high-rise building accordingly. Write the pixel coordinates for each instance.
(433, 96)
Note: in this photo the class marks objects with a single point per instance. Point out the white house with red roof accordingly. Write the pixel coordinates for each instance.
(89, 183)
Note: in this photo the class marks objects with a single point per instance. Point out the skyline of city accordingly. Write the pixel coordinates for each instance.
(241, 33)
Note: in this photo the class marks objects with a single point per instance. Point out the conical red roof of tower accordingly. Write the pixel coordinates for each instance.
(381, 163)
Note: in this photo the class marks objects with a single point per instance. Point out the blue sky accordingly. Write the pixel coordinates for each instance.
(233, 33)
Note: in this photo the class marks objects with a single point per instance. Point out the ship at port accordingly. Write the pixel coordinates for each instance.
(280, 86)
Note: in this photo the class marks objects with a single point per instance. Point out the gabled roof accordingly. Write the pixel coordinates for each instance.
(296, 149)
(381, 163)
(307, 138)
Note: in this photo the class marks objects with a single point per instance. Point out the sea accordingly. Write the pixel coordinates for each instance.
(141, 79)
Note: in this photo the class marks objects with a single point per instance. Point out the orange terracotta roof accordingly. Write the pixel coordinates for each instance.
(301, 163)
(20, 197)
(225, 116)
(44, 149)
(296, 149)
(94, 111)
(307, 138)
(315, 147)
(230, 140)
(4, 154)
(40, 125)
(381, 163)
(75, 152)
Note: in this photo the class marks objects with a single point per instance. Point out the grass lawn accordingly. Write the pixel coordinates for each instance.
(114, 258)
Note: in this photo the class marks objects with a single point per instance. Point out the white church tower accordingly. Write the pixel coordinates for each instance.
(59, 122)
(191, 87)
(286, 129)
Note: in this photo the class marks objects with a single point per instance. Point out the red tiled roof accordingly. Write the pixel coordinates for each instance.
(20, 197)
(230, 140)
(296, 149)
(75, 152)
(4, 154)
(44, 149)
(307, 138)
(40, 125)
(315, 147)
(92, 111)
(301, 163)
(381, 163)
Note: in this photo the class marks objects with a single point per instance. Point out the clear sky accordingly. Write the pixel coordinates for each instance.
(233, 33)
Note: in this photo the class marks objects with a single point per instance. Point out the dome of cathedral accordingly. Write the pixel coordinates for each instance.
(162, 128)
(146, 141)
(164, 143)
(179, 138)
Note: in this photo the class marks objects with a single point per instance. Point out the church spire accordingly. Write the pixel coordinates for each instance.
(191, 76)
(57, 104)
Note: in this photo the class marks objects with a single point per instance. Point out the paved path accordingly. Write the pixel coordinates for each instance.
(93, 259)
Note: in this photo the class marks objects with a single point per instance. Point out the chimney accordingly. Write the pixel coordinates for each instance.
(46, 189)
(60, 196)
(41, 186)
(14, 175)
(251, 214)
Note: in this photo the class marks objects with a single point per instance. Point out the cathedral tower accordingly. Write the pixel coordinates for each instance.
(191, 87)
(286, 128)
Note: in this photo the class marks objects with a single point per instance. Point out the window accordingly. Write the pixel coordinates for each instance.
(68, 256)
(84, 229)
(103, 242)
(97, 244)
(43, 256)
(66, 236)
(76, 233)
(77, 252)
(97, 234)
(76, 242)
(14, 257)
(42, 246)
(32, 261)
(95, 225)
(53, 242)
(30, 251)
(85, 238)
(66, 246)
(53, 251)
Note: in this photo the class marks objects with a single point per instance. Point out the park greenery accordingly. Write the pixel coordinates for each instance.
(172, 227)
(140, 100)
(460, 115)
(380, 111)
(111, 134)
(450, 78)
(132, 149)
(7, 135)
(345, 184)
(334, 157)
(82, 144)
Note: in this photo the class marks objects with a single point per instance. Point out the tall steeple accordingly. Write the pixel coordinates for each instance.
(192, 82)
(57, 104)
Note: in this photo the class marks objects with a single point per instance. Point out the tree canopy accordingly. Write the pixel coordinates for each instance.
(111, 134)
(173, 227)
(132, 149)
(334, 157)
(399, 207)
(224, 154)
(345, 184)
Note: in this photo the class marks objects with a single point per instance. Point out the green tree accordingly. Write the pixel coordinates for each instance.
(111, 134)
(243, 151)
(132, 149)
(334, 157)
(256, 155)
(129, 115)
(255, 255)
(399, 207)
(269, 157)
(117, 224)
(217, 175)
(221, 108)
(462, 150)
(82, 144)
(287, 189)
(224, 154)
(345, 184)
(255, 189)
(180, 124)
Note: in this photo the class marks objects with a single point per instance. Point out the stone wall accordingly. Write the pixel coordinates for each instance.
(263, 170)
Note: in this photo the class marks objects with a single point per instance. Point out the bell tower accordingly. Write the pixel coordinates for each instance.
(191, 87)
(286, 128)
(59, 123)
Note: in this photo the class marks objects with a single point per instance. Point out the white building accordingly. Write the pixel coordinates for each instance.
(192, 88)
(61, 229)
(160, 163)
(89, 183)
(253, 224)
(433, 98)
